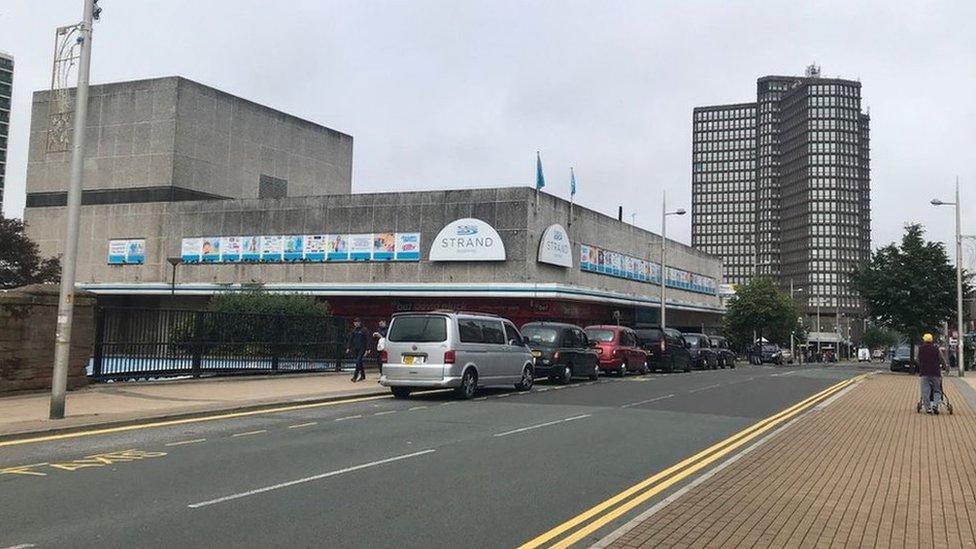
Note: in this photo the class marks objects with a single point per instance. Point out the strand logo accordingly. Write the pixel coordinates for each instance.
(468, 240)
(555, 247)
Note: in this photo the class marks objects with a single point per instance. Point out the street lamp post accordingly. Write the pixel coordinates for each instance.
(664, 263)
(960, 336)
(174, 261)
(793, 292)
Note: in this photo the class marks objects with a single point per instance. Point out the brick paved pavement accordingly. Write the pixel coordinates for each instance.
(845, 476)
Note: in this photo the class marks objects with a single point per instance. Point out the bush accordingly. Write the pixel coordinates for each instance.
(264, 303)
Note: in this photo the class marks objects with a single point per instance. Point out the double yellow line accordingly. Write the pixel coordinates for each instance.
(588, 522)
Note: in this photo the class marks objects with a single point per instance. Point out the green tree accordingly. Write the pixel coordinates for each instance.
(760, 308)
(878, 337)
(909, 288)
(20, 259)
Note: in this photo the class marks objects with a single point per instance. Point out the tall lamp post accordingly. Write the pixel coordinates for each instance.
(793, 292)
(664, 258)
(960, 336)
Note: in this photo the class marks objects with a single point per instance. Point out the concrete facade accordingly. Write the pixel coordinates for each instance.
(172, 138)
(511, 211)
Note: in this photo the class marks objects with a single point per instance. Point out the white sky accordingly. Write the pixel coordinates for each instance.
(452, 93)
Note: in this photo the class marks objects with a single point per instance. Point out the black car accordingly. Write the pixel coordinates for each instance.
(702, 354)
(561, 351)
(767, 353)
(666, 350)
(901, 359)
(726, 356)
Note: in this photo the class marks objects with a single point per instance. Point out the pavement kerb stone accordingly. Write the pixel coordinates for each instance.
(152, 418)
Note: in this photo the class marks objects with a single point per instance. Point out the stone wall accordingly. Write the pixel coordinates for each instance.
(27, 323)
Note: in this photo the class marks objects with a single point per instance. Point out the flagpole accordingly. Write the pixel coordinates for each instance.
(572, 193)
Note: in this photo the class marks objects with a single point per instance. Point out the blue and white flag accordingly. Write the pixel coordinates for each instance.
(572, 183)
(540, 180)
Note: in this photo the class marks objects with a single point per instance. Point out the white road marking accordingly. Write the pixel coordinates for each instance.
(646, 401)
(417, 408)
(385, 413)
(482, 398)
(783, 374)
(249, 433)
(300, 425)
(446, 403)
(183, 442)
(705, 388)
(349, 417)
(307, 479)
(503, 395)
(546, 424)
(21, 546)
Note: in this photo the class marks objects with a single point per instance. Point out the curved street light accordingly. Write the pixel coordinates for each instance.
(664, 263)
(960, 334)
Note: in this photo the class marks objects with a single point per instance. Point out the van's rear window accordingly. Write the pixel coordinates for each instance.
(418, 329)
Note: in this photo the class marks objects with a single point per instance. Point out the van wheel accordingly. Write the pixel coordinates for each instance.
(623, 370)
(400, 392)
(525, 384)
(596, 372)
(469, 385)
(644, 369)
(567, 376)
(688, 367)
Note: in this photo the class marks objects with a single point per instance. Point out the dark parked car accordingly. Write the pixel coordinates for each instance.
(767, 353)
(726, 356)
(702, 354)
(666, 350)
(618, 349)
(901, 359)
(561, 351)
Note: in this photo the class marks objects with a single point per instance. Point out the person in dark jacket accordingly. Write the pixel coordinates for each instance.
(358, 347)
(930, 374)
(380, 336)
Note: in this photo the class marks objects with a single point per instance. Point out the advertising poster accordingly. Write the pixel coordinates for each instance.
(338, 248)
(210, 249)
(294, 247)
(251, 248)
(618, 264)
(271, 248)
(230, 249)
(593, 258)
(384, 246)
(315, 245)
(360, 247)
(584, 257)
(191, 249)
(408, 247)
(135, 252)
(116, 251)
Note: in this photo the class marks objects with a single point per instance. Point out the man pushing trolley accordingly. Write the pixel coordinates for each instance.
(930, 364)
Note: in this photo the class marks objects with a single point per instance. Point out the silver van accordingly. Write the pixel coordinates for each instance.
(456, 350)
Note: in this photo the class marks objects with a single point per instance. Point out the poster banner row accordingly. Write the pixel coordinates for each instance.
(127, 252)
(309, 247)
(598, 260)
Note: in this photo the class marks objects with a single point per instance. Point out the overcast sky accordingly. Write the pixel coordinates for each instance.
(451, 93)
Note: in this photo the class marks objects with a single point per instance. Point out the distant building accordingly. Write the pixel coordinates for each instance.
(781, 188)
(6, 95)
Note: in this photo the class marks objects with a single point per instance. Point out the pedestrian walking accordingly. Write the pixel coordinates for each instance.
(358, 347)
(930, 364)
(380, 338)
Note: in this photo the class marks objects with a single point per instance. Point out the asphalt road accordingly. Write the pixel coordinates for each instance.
(426, 472)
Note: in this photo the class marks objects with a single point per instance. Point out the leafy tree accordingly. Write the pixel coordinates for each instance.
(909, 288)
(877, 337)
(265, 303)
(760, 308)
(20, 259)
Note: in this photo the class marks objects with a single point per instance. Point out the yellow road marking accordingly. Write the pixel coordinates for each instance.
(167, 423)
(24, 470)
(691, 464)
(300, 425)
(249, 433)
(110, 458)
(184, 442)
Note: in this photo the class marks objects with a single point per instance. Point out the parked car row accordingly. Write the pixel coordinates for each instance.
(464, 351)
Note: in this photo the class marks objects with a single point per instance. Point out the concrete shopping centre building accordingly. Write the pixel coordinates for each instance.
(249, 197)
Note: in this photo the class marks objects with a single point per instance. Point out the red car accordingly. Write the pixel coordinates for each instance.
(618, 349)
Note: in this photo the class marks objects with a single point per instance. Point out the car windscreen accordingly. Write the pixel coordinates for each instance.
(716, 342)
(540, 334)
(650, 336)
(600, 336)
(692, 341)
(770, 348)
(903, 352)
(418, 329)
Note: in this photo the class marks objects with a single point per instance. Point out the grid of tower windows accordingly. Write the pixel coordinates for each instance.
(723, 190)
(6, 92)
